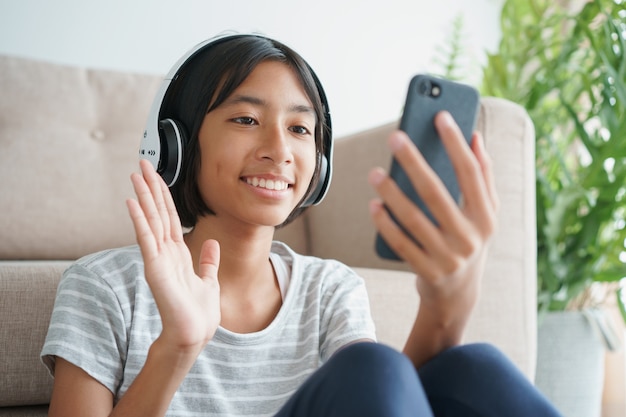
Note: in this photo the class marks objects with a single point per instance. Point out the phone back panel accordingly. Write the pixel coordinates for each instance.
(421, 106)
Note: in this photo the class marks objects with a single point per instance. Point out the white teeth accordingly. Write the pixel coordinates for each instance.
(276, 185)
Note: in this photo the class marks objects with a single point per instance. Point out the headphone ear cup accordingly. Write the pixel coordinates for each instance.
(173, 138)
(320, 189)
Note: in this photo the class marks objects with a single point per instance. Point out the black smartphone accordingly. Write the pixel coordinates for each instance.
(428, 95)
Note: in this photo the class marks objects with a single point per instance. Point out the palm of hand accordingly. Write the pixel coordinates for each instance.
(189, 303)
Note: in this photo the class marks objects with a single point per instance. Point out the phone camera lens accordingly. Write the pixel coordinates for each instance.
(424, 88)
(428, 88)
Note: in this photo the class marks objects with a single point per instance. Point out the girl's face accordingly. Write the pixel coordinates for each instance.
(258, 148)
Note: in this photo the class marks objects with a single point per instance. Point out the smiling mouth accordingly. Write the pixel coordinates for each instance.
(274, 185)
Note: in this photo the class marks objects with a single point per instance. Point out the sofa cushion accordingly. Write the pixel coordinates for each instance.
(64, 196)
(28, 290)
(393, 301)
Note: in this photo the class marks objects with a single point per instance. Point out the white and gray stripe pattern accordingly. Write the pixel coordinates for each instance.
(105, 319)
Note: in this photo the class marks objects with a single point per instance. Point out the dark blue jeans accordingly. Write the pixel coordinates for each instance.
(369, 379)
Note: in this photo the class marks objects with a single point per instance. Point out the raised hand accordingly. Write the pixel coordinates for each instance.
(189, 303)
(450, 262)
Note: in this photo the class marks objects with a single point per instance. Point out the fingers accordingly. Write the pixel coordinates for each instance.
(460, 228)
(154, 202)
(473, 173)
(145, 237)
(154, 214)
(398, 240)
(431, 190)
(486, 165)
(209, 259)
(425, 181)
(412, 219)
(175, 227)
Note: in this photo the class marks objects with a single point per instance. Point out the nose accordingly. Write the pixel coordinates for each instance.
(274, 145)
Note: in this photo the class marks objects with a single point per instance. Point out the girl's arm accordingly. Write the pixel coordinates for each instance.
(189, 306)
(76, 393)
(450, 263)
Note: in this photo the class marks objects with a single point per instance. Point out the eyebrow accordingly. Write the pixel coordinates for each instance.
(256, 101)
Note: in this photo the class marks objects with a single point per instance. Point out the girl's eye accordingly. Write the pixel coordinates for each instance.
(244, 120)
(301, 130)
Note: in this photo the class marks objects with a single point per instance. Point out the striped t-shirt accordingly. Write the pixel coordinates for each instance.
(105, 319)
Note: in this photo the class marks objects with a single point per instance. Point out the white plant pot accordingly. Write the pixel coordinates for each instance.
(570, 363)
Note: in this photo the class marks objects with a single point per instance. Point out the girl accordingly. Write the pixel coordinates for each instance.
(222, 321)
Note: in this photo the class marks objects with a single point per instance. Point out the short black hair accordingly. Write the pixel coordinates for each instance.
(204, 83)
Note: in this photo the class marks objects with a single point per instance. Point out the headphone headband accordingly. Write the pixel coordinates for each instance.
(163, 140)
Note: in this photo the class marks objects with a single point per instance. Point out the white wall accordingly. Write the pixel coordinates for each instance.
(363, 51)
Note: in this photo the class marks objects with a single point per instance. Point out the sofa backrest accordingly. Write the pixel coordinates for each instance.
(69, 139)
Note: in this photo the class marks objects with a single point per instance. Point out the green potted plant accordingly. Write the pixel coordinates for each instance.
(568, 69)
(565, 62)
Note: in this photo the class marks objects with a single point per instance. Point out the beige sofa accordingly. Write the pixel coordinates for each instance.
(68, 142)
